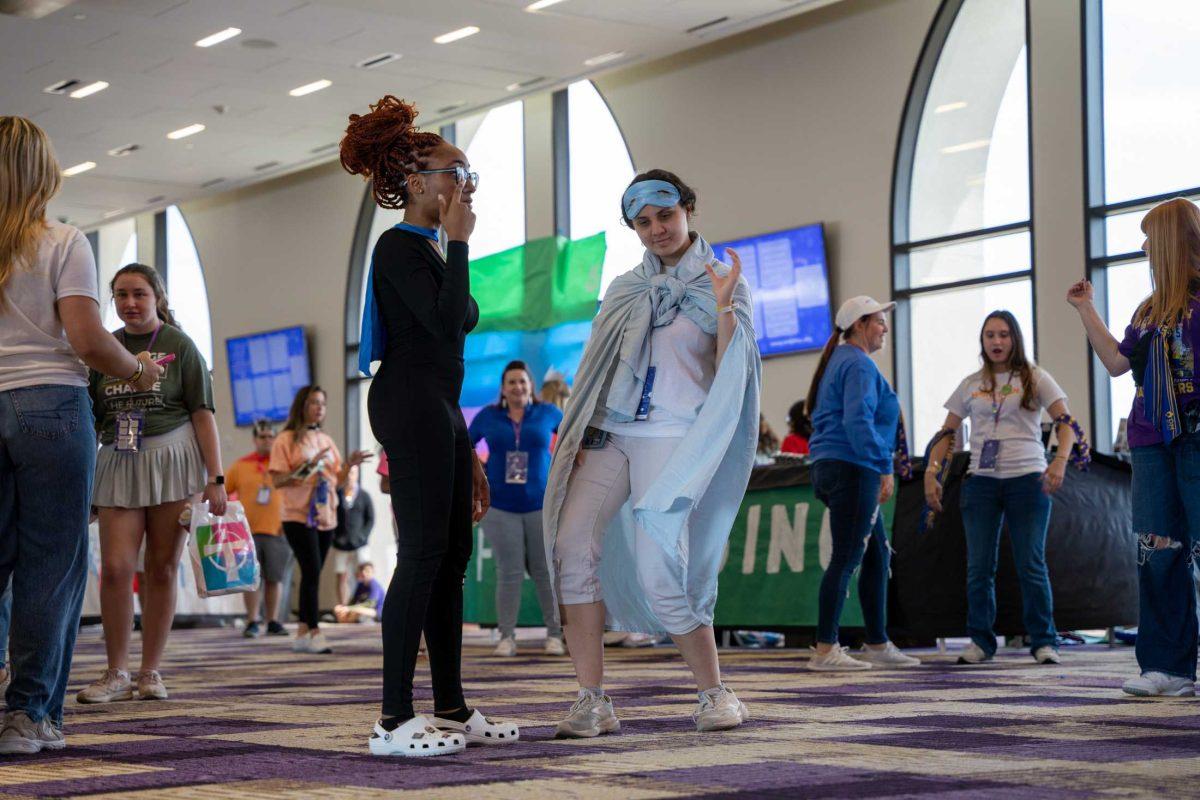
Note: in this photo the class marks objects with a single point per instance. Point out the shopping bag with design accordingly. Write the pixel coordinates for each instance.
(222, 549)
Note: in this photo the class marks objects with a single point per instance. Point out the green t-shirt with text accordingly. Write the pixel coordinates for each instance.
(184, 387)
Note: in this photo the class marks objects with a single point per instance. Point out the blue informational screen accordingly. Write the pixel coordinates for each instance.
(266, 370)
(789, 280)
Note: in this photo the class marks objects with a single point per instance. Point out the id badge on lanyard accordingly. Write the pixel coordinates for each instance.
(264, 495)
(516, 462)
(130, 429)
(989, 454)
(643, 409)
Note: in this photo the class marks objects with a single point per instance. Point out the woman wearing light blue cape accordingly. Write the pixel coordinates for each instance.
(653, 456)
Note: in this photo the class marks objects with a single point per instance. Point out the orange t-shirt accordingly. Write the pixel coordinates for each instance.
(287, 454)
(244, 482)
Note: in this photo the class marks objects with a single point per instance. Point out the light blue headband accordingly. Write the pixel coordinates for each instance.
(648, 193)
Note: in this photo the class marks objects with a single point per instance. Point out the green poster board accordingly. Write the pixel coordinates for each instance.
(777, 553)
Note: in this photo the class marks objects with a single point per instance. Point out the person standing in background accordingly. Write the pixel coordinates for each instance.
(355, 520)
(799, 431)
(249, 481)
(518, 430)
(50, 333)
(307, 468)
(855, 415)
(160, 450)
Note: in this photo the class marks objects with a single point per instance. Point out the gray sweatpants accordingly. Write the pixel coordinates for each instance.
(519, 547)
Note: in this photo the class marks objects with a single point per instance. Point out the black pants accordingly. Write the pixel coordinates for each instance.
(310, 547)
(429, 467)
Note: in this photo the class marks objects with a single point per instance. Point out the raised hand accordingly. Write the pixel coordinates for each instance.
(458, 218)
(1080, 293)
(723, 287)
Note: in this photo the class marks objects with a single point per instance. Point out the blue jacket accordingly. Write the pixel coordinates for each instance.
(857, 413)
(493, 425)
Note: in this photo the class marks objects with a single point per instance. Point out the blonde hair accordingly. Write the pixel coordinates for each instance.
(29, 178)
(1172, 230)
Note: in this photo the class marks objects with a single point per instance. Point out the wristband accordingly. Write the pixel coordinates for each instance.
(725, 309)
(137, 373)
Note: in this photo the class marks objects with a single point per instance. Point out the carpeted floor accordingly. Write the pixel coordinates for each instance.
(249, 719)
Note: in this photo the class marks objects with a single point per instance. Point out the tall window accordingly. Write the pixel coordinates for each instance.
(116, 246)
(961, 226)
(1143, 111)
(185, 285)
(600, 171)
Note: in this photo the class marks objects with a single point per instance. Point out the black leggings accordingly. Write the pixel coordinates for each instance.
(310, 546)
(430, 475)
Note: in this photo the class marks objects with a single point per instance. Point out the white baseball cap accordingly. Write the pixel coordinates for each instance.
(857, 307)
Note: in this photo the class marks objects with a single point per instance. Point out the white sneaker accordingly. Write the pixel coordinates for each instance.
(113, 685)
(481, 730)
(590, 715)
(318, 645)
(889, 657)
(415, 738)
(506, 648)
(1159, 684)
(1046, 655)
(300, 643)
(836, 660)
(150, 685)
(719, 710)
(973, 654)
(21, 735)
(639, 640)
(554, 646)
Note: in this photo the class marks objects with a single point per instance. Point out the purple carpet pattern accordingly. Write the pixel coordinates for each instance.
(250, 719)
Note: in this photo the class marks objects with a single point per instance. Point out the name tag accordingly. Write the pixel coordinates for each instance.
(516, 466)
(990, 454)
(130, 428)
(264, 495)
(643, 409)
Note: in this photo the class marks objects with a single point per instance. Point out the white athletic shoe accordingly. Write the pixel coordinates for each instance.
(1046, 655)
(836, 660)
(1159, 684)
(506, 648)
(415, 739)
(114, 684)
(719, 710)
(318, 645)
(481, 730)
(300, 643)
(22, 736)
(590, 715)
(973, 654)
(554, 646)
(150, 685)
(889, 657)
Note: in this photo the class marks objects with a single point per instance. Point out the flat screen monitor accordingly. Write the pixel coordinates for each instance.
(266, 370)
(789, 280)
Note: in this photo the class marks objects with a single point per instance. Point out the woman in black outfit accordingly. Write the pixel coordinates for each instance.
(418, 313)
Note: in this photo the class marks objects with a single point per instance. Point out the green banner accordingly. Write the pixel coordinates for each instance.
(778, 550)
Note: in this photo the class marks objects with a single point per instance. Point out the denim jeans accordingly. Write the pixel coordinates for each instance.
(5, 622)
(851, 493)
(1166, 502)
(985, 502)
(47, 460)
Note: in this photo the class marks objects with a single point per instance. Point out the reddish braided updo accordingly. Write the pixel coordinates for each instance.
(384, 147)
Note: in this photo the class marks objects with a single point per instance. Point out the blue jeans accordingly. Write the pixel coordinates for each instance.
(851, 493)
(47, 460)
(5, 622)
(1166, 502)
(1021, 501)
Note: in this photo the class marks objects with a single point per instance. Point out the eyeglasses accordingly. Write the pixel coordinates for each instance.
(460, 174)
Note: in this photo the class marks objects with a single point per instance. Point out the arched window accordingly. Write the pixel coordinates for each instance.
(1143, 111)
(185, 284)
(961, 228)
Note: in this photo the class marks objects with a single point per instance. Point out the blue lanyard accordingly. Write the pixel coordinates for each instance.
(372, 334)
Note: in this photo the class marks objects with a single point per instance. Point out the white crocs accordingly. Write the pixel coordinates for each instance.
(416, 738)
(481, 730)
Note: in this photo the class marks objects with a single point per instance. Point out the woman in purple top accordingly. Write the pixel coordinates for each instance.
(1160, 348)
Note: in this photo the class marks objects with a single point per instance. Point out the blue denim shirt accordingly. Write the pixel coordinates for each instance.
(857, 413)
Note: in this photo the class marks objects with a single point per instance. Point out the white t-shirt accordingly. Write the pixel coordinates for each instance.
(33, 345)
(1018, 429)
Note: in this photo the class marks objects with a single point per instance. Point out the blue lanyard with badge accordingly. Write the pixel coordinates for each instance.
(130, 426)
(516, 462)
(990, 454)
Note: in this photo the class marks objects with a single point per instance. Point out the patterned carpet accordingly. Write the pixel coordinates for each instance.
(249, 719)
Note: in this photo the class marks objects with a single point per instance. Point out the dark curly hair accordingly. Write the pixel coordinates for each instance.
(384, 147)
(687, 195)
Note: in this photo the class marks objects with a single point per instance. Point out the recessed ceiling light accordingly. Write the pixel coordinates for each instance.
(91, 88)
(218, 37)
(512, 87)
(183, 133)
(604, 58)
(113, 213)
(309, 88)
(945, 108)
(454, 36)
(540, 4)
(978, 144)
(78, 168)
